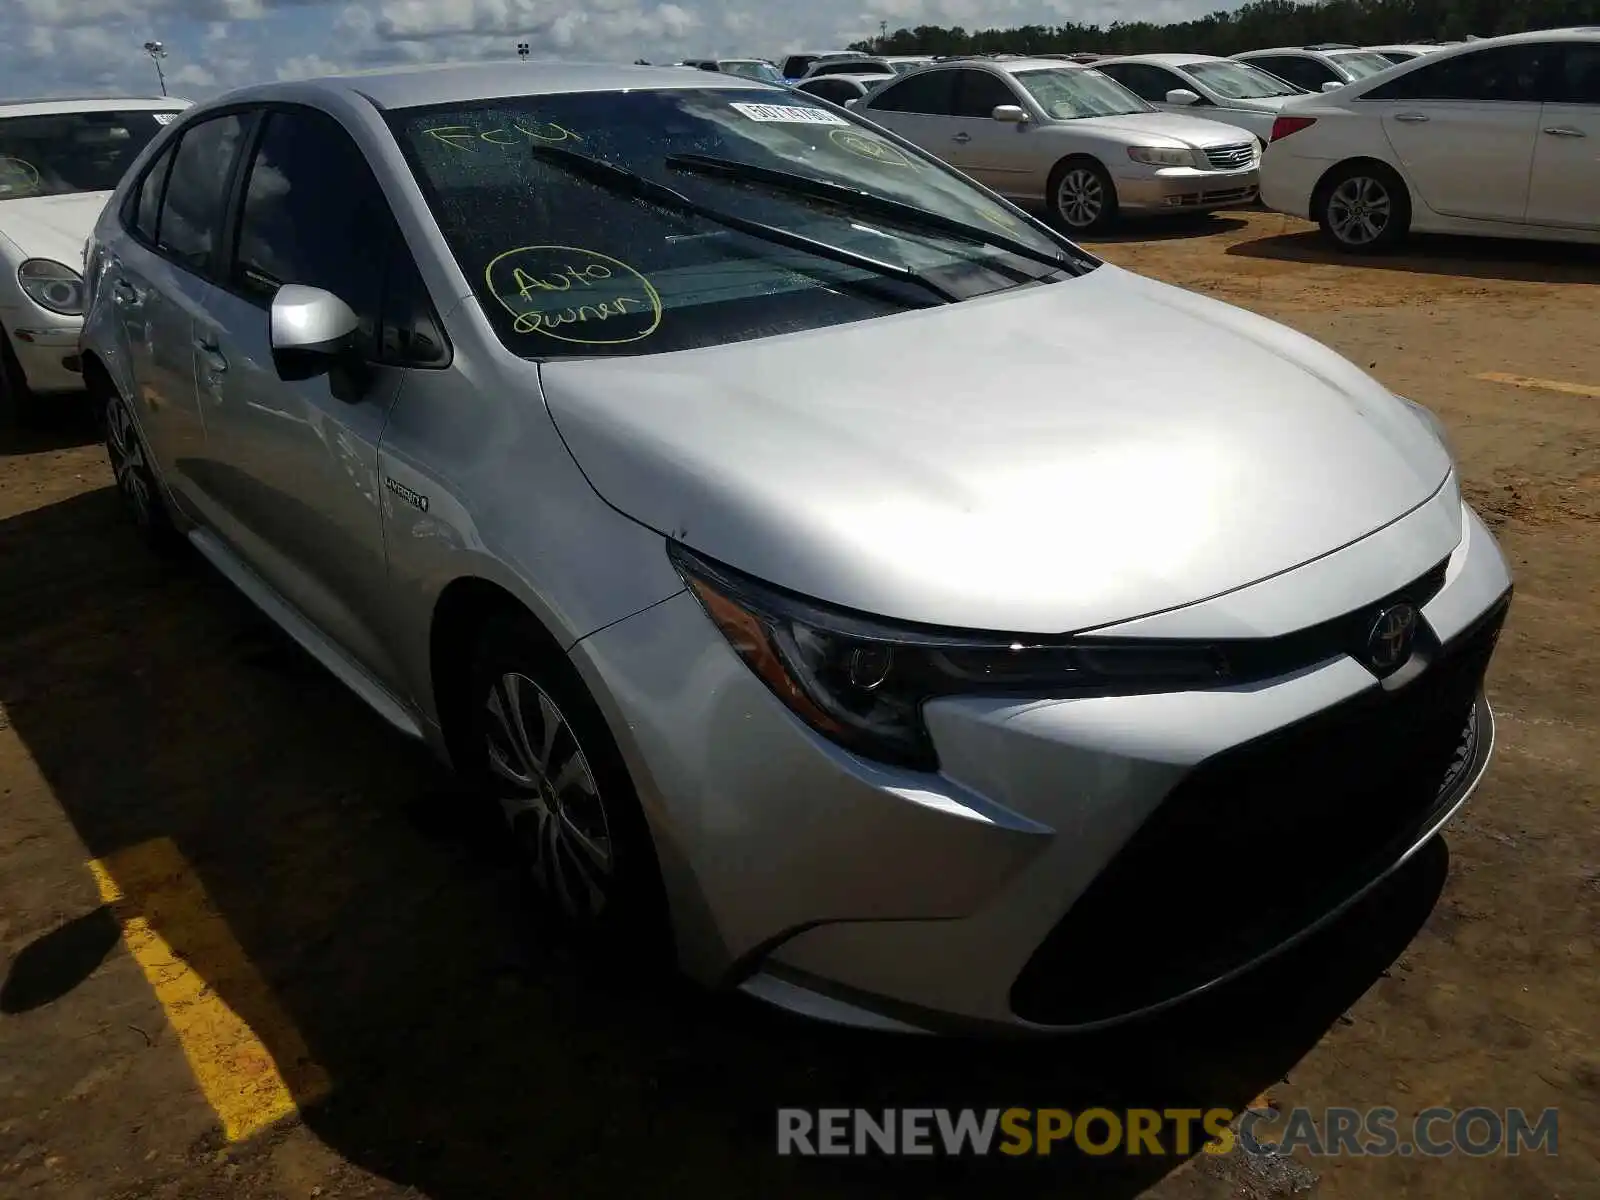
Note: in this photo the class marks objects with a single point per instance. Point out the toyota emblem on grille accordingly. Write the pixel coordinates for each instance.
(1389, 643)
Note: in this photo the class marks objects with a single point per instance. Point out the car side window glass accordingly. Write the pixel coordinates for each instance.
(147, 210)
(313, 214)
(834, 89)
(978, 93)
(196, 191)
(1156, 83)
(1306, 72)
(1579, 79)
(1504, 74)
(931, 94)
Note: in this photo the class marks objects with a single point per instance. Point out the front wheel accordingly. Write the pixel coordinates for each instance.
(1083, 199)
(540, 750)
(1364, 208)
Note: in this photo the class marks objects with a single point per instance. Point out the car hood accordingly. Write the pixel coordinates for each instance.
(1136, 129)
(53, 227)
(1044, 461)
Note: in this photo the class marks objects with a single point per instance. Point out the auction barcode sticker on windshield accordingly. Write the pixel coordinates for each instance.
(790, 113)
(163, 118)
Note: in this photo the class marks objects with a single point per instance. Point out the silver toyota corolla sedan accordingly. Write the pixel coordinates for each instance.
(839, 579)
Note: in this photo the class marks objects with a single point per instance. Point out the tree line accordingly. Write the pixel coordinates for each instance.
(1258, 24)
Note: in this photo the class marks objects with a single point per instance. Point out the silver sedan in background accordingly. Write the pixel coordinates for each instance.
(846, 587)
(1044, 132)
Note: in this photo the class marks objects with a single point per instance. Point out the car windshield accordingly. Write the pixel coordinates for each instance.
(1067, 93)
(567, 262)
(753, 69)
(1361, 63)
(1240, 81)
(57, 154)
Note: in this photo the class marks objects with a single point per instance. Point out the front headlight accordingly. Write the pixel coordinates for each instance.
(861, 682)
(1162, 156)
(52, 285)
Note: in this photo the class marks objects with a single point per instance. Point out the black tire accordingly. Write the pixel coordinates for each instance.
(1363, 208)
(610, 914)
(137, 485)
(1081, 197)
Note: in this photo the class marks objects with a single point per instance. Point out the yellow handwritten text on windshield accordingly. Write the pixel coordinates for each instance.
(864, 145)
(573, 294)
(465, 137)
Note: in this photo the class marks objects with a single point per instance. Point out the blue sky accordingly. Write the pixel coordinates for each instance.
(93, 47)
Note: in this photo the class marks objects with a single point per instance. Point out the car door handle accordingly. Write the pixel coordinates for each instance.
(126, 294)
(211, 354)
(1411, 118)
(1564, 131)
(962, 137)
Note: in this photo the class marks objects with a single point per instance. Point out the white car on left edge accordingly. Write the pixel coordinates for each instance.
(59, 161)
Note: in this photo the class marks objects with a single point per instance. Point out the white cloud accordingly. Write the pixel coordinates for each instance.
(77, 46)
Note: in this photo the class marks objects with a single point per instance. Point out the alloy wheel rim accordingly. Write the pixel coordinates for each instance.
(549, 796)
(128, 464)
(1359, 210)
(1080, 199)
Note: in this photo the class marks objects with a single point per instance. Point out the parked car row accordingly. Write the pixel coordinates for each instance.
(847, 588)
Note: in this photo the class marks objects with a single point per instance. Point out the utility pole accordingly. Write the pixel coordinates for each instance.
(883, 34)
(157, 52)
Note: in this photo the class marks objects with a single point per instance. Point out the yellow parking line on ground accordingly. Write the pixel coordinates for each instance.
(220, 1008)
(1545, 385)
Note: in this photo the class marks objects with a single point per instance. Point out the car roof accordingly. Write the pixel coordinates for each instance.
(54, 107)
(870, 80)
(1285, 50)
(1012, 65)
(455, 83)
(1163, 60)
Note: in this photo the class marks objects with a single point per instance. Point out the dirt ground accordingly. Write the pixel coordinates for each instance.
(365, 931)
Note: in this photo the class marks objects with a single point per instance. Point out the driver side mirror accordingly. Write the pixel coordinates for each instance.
(1011, 114)
(1183, 96)
(1333, 85)
(312, 332)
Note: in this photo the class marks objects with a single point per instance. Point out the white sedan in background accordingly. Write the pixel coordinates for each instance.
(1041, 131)
(1499, 137)
(59, 160)
(1317, 68)
(1203, 85)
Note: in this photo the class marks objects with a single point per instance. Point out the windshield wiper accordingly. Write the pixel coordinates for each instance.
(621, 179)
(849, 197)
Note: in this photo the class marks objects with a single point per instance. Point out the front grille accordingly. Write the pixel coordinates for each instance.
(1231, 158)
(1267, 837)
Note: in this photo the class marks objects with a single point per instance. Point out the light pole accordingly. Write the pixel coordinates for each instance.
(522, 50)
(157, 52)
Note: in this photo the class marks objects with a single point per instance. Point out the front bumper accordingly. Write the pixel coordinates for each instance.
(47, 350)
(1047, 877)
(1185, 189)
